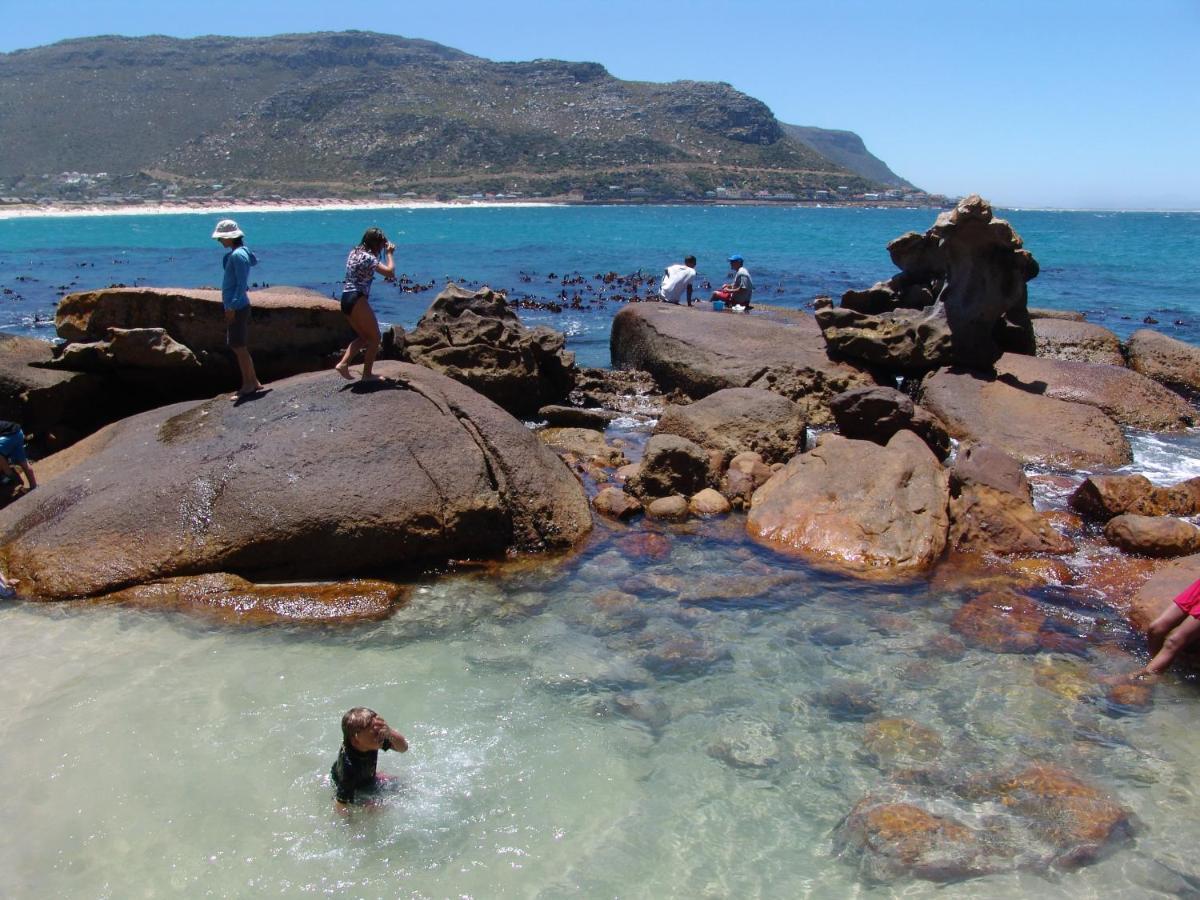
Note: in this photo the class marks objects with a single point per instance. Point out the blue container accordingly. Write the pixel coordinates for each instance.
(718, 305)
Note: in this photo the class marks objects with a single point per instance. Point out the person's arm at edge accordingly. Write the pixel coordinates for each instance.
(396, 741)
(28, 470)
(387, 269)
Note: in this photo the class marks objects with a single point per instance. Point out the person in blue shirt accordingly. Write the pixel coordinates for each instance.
(237, 263)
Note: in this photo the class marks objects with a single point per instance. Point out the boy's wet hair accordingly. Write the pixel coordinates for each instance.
(374, 239)
(689, 261)
(356, 720)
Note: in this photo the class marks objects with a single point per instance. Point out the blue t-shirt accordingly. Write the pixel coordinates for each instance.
(237, 263)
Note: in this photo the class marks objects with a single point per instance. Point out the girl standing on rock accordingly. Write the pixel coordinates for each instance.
(361, 265)
(237, 263)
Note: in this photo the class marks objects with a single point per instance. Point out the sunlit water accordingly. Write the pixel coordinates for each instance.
(563, 744)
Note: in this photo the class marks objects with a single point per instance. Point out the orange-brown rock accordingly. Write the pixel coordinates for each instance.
(233, 600)
(857, 506)
(983, 518)
(1167, 360)
(708, 502)
(647, 545)
(1025, 425)
(746, 474)
(1105, 496)
(1161, 536)
(314, 480)
(1161, 588)
(1000, 621)
(891, 840)
(897, 741)
(671, 509)
(584, 443)
(616, 504)
(1131, 695)
(1079, 821)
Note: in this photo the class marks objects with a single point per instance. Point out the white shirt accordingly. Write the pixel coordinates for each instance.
(675, 282)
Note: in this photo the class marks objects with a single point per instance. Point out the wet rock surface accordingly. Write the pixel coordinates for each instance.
(296, 482)
(1158, 536)
(475, 338)
(699, 352)
(670, 465)
(1000, 621)
(1105, 496)
(737, 420)
(616, 504)
(1029, 427)
(858, 506)
(1127, 397)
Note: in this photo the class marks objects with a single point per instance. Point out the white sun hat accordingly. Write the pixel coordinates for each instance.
(227, 228)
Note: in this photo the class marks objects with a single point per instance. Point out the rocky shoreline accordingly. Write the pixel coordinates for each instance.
(930, 428)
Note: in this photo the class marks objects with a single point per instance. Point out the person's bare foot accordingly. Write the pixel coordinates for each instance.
(344, 371)
(371, 377)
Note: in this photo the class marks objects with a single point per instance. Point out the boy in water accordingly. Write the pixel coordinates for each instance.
(364, 734)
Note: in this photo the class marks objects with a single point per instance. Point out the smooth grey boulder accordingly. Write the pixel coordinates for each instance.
(315, 479)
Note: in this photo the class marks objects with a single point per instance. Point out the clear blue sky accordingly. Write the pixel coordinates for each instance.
(1091, 103)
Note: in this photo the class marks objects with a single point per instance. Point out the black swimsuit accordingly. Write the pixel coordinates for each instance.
(354, 770)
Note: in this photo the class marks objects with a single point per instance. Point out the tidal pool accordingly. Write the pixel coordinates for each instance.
(666, 714)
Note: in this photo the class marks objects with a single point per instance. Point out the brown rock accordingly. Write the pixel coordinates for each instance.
(1162, 587)
(673, 508)
(746, 474)
(1077, 340)
(576, 417)
(624, 473)
(473, 337)
(670, 465)
(232, 600)
(1028, 427)
(128, 348)
(1167, 360)
(983, 518)
(899, 341)
(877, 413)
(1131, 695)
(890, 840)
(736, 420)
(313, 480)
(1078, 821)
(858, 506)
(978, 465)
(698, 353)
(1105, 496)
(709, 502)
(1125, 396)
(616, 504)
(1160, 536)
(901, 742)
(586, 443)
(1000, 621)
(1066, 314)
(645, 545)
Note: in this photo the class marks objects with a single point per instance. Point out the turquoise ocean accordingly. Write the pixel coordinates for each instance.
(668, 712)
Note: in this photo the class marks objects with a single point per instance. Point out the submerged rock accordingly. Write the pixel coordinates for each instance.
(896, 741)
(858, 506)
(233, 600)
(1027, 426)
(1000, 621)
(747, 744)
(616, 504)
(700, 352)
(473, 337)
(737, 420)
(314, 480)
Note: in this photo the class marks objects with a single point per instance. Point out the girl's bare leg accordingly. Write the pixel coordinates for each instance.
(343, 366)
(362, 317)
(1176, 641)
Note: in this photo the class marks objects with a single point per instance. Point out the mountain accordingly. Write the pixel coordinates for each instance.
(358, 113)
(847, 150)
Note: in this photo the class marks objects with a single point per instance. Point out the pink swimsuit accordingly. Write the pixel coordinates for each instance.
(1189, 599)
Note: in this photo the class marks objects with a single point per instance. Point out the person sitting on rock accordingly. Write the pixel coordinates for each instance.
(677, 279)
(738, 291)
(364, 734)
(12, 454)
(1177, 626)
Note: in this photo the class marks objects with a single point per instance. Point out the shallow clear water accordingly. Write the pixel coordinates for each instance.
(695, 742)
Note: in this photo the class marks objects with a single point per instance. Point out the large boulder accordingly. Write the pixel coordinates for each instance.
(699, 352)
(474, 337)
(1125, 396)
(1078, 341)
(1167, 360)
(1105, 496)
(316, 479)
(877, 413)
(1029, 427)
(737, 420)
(129, 348)
(292, 330)
(972, 269)
(858, 506)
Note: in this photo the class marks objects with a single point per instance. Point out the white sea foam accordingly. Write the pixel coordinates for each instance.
(57, 211)
(1165, 458)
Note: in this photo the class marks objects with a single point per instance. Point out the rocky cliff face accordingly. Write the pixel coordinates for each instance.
(364, 112)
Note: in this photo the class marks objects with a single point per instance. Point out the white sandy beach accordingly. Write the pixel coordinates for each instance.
(57, 210)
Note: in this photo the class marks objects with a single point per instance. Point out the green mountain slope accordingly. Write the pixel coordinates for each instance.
(356, 113)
